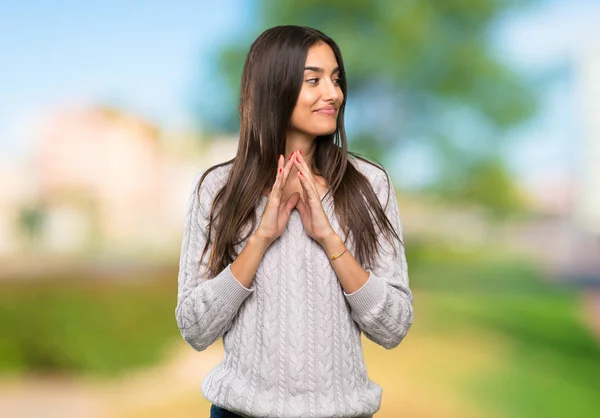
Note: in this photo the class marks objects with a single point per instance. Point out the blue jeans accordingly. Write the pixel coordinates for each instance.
(218, 412)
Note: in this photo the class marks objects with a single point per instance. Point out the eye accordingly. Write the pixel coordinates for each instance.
(312, 80)
(337, 81)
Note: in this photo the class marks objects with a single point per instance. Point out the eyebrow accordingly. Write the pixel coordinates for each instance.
(320, 70)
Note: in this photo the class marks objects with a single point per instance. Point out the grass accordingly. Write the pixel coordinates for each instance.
(491, 337)
(77, 326)
(552, 362)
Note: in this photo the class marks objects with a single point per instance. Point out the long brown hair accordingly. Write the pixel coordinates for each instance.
(271, 83)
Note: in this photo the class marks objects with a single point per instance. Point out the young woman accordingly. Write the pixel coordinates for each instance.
(293, 248)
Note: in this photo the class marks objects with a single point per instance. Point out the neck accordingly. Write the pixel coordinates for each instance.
(300, 142)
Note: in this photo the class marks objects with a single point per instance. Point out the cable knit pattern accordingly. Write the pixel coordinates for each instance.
(292, 340)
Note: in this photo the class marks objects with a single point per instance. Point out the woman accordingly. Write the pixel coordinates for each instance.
(270, 258)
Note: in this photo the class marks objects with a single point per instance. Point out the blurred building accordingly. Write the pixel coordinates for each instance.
(99, 174)
(586, 248)
(15, 193)
(587, 202)
(567, 238)
(102, 180)
(587, 208)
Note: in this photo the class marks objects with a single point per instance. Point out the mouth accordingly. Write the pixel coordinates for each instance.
(327, 110)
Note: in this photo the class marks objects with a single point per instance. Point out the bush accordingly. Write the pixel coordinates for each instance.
(83, 325)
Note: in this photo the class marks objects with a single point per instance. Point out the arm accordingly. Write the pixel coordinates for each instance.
(206, 307)
(380, 299)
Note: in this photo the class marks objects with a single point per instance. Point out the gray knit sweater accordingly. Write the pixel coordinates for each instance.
(292, 340)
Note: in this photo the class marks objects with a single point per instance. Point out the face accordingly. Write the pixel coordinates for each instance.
(321, 96)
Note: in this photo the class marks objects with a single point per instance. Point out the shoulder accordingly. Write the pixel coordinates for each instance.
(373, 171)
(209, 181)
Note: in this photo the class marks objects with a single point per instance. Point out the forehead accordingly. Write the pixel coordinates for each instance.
(321, 55)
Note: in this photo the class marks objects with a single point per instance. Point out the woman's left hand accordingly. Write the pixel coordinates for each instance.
(313, 215)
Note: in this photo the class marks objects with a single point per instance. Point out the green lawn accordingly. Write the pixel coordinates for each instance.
(550, 364)
(74, 325)
(553, 365)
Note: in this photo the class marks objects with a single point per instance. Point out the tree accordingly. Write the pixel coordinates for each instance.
(415, 69)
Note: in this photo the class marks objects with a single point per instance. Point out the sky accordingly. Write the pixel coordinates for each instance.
(549, 41)
(148, 56)
(142, 55)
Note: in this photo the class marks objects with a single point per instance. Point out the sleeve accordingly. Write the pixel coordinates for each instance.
(382, 307)
(207, 306)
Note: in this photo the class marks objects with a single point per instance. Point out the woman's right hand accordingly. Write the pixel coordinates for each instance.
(277, 212)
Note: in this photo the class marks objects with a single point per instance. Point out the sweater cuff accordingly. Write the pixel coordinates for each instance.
(228, 290)
(368, 296)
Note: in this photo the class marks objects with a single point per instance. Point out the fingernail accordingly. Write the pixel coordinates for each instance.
(297, 159)
(280, 169)
(300, 151)
(301, 173)
(290, 157)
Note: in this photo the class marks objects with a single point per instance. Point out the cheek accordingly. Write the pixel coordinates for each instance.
(304, 105)
(307, 98)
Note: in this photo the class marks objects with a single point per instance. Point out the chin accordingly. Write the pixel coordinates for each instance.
(326, 130)
(329, 132)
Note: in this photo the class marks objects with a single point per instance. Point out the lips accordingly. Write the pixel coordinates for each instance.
(327, 110)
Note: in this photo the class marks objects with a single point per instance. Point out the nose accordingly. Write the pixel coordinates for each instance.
(330, 91)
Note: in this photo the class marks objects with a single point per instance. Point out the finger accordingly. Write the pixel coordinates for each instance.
(291, 203)
(278, 176)
(304, 212)
(276, 189)
(301, 165)
(309, 189)
(287, 169)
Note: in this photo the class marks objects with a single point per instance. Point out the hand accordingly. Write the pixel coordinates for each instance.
(313, 215)
(277, 212)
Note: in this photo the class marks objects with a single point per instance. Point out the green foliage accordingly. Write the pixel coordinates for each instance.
(31, 221)
(550, 367)
(79, 325)
(421, 47)
(553, 365)
(408, 64)
(425, 50)
(488, 182)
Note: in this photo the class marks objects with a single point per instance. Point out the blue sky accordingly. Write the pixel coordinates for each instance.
(549, 39)
(143, 55)
(147, 57)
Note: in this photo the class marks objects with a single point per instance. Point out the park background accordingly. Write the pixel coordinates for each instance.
(485, 113)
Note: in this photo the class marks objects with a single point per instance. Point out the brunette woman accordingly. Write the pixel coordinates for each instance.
(293, 248)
